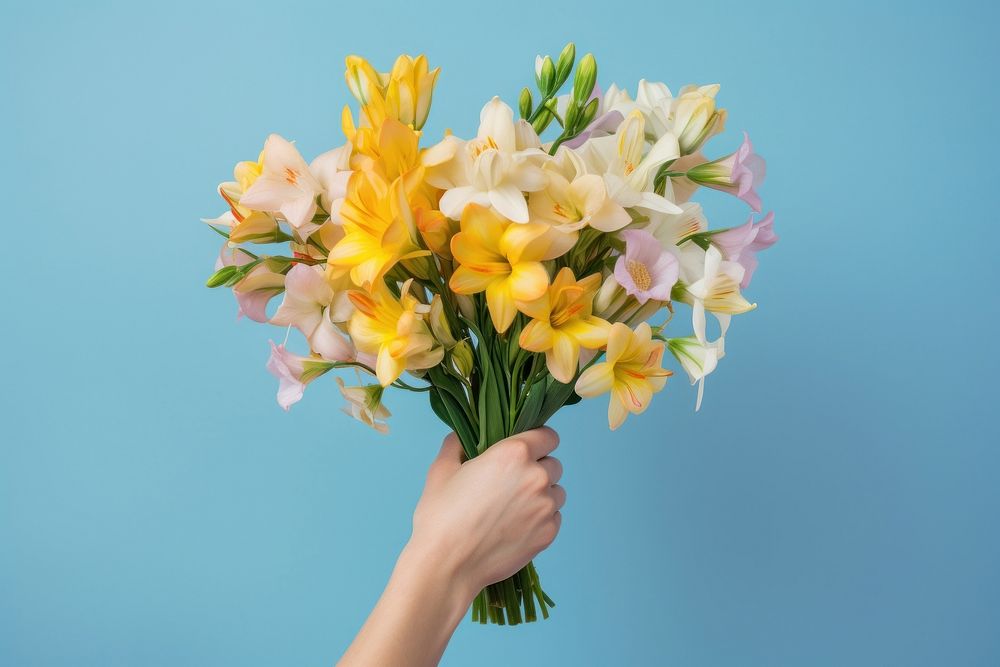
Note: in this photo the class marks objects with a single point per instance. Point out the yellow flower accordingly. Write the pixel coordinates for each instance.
(403, 94)
(394, 330)
(504, 259)
(562, 323)
(632, 371)
(379, 230)
(389, 149)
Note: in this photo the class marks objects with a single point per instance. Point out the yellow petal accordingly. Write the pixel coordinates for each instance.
(564, 357)
(528, 281)
(596, 380)
(501, 304)
(467, 281)
(537, 336)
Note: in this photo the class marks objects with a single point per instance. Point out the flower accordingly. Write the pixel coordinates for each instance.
(741, 244)
(697, 358)
(395, 330)
(403, 94)
(333, 171)
(254, 227)
(364, 403)
(285, 186)
(379, 230)
(494, 169)
(562, 323)
(503, 259)
(570, 206)
(294, 373)
(312, 307)
(739, 174)
(695, 117)
(627, 168)
(632, 371)
(717, 291)
(256, 290)
(645, 269)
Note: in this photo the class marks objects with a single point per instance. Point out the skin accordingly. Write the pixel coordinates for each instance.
(477, 522)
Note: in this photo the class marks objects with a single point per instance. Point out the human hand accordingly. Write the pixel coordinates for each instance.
(486, 518)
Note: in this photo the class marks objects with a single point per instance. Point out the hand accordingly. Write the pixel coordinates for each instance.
(488, 517)
(476, 523)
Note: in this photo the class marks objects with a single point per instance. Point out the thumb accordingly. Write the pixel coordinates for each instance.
(448, 460)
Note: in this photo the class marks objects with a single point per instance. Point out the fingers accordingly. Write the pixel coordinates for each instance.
(553, 468)
(448, 460)
(540, 441)
(558, 494)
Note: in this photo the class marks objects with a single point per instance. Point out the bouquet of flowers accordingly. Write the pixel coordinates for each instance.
(507, 274)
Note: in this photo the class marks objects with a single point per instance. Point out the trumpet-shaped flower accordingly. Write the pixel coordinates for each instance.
(718, 292)
(253, 227)
(562, 323)
(697, 358)
(285, 186)
(738, 174)
(364, 403)
(628, 169)
(645, 269)
(632, 371)
(379, 230)
(294, 372)
(395, 330)
(570, 206)
(741, 244)
(312, 307)
(403, 94)
(504, 259)
(333, 172)
(494, 169)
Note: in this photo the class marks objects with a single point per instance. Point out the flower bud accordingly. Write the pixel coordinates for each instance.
(439, 323)
(565, 64)
(546, 79)
(524, 103)
(586, 78)
(462, 358)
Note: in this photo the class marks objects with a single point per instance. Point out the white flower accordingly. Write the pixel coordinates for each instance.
(494, 169)
(718, 292)
(628, 169)
(285, 186)
(332, 170)
(697, 358)
(364, 403)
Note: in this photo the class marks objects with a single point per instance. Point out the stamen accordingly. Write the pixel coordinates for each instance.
(640, 274)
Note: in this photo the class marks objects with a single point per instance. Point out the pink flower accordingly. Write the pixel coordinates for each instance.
(741, 244)
(293, 373)
(738, 174)
(288, 368)
(311, 306)
(645, 270)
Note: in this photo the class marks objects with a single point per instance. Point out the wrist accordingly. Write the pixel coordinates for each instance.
(433, 566)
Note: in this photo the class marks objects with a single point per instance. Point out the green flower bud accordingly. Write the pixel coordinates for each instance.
(586, 77)
(589, 112)
(524, 103)
(222, 276)
(548, 76)
(565, 64)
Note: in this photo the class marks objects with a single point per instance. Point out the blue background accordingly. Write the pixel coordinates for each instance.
(834, 503)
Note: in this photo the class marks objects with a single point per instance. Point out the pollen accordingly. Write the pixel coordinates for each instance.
(640, 274)
(629, 168)
(291, 176)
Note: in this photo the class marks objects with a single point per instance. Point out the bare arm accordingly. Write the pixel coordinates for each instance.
(476, 523)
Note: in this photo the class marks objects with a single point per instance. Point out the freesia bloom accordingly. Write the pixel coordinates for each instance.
(718, 292)
(738, 174)
(379, 230)
(494, 169)
(312, 307)
(645, 269)
(741, 244)
(333, 171)
(583, 202)
(503, 259)
(285, 186)
(628, 169)
(698, 359)
(403, 94)
(395, 330)
(364, 403)
(562, 323)
(294, 372)
(632, 371)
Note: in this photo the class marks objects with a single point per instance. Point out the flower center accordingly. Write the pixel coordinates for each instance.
(477, 148)
(291, 176)
(640, 274)
(629, 167)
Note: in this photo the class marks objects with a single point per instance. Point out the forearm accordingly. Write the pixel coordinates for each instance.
(422, 604)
